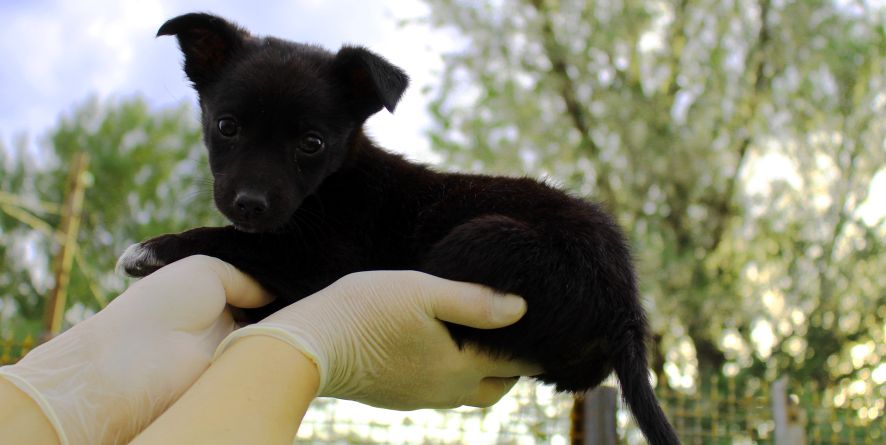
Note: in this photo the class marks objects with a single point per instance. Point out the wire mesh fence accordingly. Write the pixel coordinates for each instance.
(729, 411)
(717, 411)
(724, 412)
(530, 415)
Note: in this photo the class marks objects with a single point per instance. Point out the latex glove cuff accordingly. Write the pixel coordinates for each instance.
(282, 333)
(38, 398)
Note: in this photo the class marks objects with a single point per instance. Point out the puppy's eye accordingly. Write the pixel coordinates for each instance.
(312, 143)
(228, 127)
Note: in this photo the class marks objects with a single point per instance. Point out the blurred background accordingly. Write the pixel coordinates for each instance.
(740, 143)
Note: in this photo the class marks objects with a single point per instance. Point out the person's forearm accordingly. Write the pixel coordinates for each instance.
(256, 392)
(22, 422)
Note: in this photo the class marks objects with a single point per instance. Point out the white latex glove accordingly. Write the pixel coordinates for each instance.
(376, 337)
(106, 378)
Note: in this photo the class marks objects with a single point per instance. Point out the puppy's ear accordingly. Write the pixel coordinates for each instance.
(371, 82)
(207, 41)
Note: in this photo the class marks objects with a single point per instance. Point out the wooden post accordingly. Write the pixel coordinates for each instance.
(593, 417)
(67, 236)
(789, 421)
(576, 420)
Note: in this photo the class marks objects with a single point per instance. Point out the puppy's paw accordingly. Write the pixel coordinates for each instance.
(138, 260)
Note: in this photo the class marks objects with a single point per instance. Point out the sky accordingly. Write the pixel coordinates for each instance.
(56, 54)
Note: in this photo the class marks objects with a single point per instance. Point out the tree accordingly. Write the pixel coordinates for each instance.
(736, 141)
(148, 174)
(17, 292)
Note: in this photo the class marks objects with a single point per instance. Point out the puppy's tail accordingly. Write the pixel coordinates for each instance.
(630, 367)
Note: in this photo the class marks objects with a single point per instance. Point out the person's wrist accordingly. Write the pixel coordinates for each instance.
(270, 349)
(261, 384)
(272, 361)
(270, 381)
(22, 421)
(301, 342)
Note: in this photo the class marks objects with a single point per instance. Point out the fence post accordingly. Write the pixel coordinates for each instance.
(593, 421)
(789, 428)
(67, 236)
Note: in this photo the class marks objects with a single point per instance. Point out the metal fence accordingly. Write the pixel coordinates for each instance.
(758, 412)
(529, 415)
(717, 411)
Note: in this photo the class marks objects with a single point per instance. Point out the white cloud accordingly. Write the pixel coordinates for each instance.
(119, 32)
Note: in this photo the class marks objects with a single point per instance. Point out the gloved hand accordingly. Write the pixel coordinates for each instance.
(106, 378)
(376, 337)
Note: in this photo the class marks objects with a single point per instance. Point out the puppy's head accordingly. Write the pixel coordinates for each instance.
(278, 116)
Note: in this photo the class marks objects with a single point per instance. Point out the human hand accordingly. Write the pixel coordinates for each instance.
(377, 338)
(106, 378)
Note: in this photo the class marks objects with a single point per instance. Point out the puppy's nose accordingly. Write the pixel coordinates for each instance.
(250, 203)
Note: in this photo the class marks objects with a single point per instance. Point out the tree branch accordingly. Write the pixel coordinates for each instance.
(578, 115)
(677, 42)
(724, 208)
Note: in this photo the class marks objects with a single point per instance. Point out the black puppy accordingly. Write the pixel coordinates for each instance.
(312, 199)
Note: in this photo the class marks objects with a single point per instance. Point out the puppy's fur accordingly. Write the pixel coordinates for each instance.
(311, 199)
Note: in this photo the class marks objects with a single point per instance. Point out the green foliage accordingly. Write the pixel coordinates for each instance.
(147, 175)
(736, 141)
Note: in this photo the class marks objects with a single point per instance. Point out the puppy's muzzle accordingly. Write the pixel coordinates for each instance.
(250, 204)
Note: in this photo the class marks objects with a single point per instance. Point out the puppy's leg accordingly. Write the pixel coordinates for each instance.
(260, 255)
(563, 328)
(268, 258)
(496, 251)
(144, 258)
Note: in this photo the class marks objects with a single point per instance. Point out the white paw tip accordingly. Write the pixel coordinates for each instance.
(135, 257)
